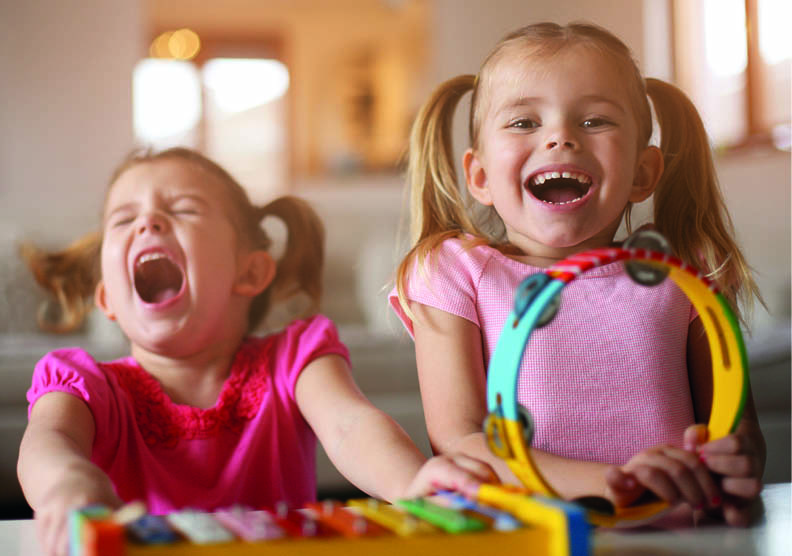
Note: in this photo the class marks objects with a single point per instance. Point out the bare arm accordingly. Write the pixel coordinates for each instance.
(452, 377)
(54, 466)
(366, 445)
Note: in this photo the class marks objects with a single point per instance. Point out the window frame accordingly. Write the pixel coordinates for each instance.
(261, 46)
(756, 134)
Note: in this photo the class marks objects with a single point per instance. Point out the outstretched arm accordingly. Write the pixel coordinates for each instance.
(54, 466)
(367, 446)
(453, 383)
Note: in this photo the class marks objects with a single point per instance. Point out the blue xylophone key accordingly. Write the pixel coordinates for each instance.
(151, 529)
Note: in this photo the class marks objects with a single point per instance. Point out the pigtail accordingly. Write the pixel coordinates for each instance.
(436, 203)
(300, 266)
(688, 205)
(438, 208)
(70, 276)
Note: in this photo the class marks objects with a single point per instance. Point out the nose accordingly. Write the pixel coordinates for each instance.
(561, 137)
(152, 222)
(566, 143)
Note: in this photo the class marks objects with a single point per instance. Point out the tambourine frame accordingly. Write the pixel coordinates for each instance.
(507, 428)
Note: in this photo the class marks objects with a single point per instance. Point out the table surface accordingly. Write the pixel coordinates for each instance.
(770, 536)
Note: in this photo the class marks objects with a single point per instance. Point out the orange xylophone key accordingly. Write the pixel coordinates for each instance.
(346, 523)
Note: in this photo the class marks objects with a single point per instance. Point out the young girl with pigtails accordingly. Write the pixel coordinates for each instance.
(560, 126)
(202, 414)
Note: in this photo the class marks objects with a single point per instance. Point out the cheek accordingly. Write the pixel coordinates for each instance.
(215, 251)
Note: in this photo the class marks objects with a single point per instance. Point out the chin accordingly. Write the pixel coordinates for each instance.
(162, 340)
(564, 241)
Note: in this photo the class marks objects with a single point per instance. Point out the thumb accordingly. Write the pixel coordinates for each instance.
(694, 436)
(623, 489)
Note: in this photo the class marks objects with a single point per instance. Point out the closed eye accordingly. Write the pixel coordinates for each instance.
(187, 205)
(122, 221)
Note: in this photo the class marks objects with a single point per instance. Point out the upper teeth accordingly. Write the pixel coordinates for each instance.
(541, 178)
(151, 257)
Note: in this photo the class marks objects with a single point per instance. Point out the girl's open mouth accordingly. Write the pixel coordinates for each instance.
(158, 278)
(559, 187)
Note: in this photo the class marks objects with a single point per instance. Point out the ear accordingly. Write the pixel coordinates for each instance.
(647, 174)
(100, 300)
(256, 272)
(476, 177)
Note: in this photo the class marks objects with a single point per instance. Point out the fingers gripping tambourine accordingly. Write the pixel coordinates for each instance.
(509, 427)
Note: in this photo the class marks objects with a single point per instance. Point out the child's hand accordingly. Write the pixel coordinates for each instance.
(455, 472)
(52, 516)
(672, 474)
(736, 458)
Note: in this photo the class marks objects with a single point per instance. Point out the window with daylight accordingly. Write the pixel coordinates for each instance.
(232, 108)
(741, 83)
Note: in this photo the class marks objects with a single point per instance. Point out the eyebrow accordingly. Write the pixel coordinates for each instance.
(527, 101)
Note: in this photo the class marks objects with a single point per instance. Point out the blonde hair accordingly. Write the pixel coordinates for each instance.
(688, 205)
(71, 275)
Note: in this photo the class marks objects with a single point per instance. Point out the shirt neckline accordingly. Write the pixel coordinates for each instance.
(162, 421)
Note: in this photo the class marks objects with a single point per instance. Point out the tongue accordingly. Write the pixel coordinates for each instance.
(164, 295)
(560, 194)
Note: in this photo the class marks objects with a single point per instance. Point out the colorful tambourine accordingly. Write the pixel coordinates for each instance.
(509, 427)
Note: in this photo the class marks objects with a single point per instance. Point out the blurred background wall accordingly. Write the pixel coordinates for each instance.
(358, 71)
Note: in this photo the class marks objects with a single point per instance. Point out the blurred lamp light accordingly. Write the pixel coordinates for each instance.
(166, 98)
(183, 44)
(159, 46)
(238, 84)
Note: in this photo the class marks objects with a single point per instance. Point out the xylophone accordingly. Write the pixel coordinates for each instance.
(443, 524)
(531, 517)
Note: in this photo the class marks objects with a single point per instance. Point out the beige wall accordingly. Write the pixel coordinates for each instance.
(465, 30)
(66, 113)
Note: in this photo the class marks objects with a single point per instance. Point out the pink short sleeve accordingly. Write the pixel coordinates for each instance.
(73, 371)
(302, 342)
(448, 280)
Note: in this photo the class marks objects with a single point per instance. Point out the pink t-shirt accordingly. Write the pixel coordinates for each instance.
(606, 378)
(253, 447)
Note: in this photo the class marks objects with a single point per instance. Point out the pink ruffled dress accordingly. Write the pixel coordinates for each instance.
(253, 447)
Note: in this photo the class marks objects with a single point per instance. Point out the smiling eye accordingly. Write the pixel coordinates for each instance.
(524, 123)
(594, 122)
